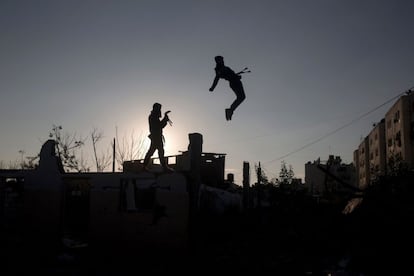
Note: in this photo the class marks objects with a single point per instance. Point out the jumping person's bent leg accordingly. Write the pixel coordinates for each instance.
(240, 98)
(237, 88)
(239, 91)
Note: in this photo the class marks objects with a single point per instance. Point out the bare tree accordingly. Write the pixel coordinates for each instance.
(261, 175)
(10, 166)
(104, 160)
(129, 148)
(286, 175)
(291, 173)
(67, 148)
(22, 152)
(27, 162)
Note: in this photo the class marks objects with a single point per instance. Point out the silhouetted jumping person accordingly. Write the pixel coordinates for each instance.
(157, 139)
(234, 79)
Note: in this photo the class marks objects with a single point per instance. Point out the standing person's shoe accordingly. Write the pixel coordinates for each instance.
(229, 114)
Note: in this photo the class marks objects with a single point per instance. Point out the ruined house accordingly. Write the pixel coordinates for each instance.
(129, 211)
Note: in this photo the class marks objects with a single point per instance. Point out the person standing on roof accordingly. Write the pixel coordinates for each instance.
(156, 126)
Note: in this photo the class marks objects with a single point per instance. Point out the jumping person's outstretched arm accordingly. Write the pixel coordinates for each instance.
(216, 79)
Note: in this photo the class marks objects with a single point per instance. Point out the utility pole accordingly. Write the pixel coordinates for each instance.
(259, 188)
(113, 156)
(246, 185)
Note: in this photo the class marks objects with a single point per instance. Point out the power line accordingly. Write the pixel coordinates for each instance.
(340, 128)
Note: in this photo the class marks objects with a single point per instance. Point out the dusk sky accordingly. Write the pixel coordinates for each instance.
(316, 66)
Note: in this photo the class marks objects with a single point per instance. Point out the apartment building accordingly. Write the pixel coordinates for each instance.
(399, 132)
(376, 151)
(389, 145)
(356, 166)
(363, 169)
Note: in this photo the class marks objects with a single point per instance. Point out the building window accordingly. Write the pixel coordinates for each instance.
(398, 138)
(397, 117)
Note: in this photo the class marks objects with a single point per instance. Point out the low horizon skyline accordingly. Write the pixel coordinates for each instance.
(145, 143)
